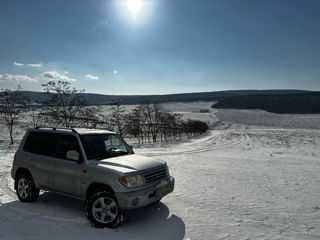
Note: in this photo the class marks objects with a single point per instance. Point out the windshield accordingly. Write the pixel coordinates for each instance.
(101, 146)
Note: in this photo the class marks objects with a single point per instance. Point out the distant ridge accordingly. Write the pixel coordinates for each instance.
(304, 103)
(100, 99)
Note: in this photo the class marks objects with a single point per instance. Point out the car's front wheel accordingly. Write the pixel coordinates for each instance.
(25, 188)
(103, 210)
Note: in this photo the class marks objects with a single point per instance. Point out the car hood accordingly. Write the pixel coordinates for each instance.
(129, 163)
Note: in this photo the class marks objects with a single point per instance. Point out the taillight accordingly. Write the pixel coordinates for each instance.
(14, 159)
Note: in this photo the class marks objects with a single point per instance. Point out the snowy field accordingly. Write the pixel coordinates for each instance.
(254, 175)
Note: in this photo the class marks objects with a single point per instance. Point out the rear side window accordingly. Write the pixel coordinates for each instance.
(40, 143)
(51, 144)
(29, 145)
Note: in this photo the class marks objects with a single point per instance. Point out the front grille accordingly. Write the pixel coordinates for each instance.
(155, 175)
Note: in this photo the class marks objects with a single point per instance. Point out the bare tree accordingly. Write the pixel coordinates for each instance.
(12, 103)
(194, 127)
(89, 115)
(152, 114)
(117, 118)
(134, 123)
(36, 112)
(64, 103)
(153, 120)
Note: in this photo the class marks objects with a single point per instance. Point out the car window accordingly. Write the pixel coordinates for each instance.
(30, 143)
(100, 146)
(113, 142)
(51, 144)
(40, 143)
(65, 143)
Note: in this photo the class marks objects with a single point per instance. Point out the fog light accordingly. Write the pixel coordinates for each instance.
(135, 201)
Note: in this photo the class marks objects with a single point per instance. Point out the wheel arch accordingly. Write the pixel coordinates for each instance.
(96, 187)
(20, 171)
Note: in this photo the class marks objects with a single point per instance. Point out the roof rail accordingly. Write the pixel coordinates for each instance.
(56, 128)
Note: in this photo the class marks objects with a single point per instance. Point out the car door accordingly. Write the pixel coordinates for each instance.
(66, 174)
(35, 152)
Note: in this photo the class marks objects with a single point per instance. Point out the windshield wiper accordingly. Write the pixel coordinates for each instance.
(121, 153)
(102, 156)
(108, 155)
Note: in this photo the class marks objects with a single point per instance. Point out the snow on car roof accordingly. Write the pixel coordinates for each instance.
(91, 131)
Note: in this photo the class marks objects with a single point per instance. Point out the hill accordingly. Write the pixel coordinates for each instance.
(308, 102)
(100, 99)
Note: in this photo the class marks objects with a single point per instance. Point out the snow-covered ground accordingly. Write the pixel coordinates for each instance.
(267, 119)
(244, 179)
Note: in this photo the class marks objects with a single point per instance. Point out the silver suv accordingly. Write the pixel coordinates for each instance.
(96, 166)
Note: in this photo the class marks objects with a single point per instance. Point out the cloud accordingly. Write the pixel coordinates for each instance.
(55, 76)
(92, 77)
(115, 72)
(18, 64)
(28, 65)
(35, 64)
(16, 78)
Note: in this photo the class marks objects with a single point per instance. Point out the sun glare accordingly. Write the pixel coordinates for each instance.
(134, 6)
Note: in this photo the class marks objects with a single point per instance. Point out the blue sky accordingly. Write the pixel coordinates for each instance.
(169, 46)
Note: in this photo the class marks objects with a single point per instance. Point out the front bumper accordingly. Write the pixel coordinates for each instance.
(142, 198)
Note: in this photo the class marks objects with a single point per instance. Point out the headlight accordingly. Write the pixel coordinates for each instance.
(132, 181)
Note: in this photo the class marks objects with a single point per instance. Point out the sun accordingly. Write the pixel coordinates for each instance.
(134, 6)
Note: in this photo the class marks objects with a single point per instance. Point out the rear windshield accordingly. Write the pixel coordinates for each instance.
(101, 146)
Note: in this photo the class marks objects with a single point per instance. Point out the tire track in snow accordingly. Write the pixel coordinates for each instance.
(9, 192)
(5, 187)
(243, 139)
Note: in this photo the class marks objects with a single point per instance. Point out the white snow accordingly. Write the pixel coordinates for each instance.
(254, 176)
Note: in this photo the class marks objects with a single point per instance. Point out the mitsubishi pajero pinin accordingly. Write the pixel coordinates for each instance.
(96, 166)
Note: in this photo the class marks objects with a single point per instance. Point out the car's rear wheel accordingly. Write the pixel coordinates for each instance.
(103, 210)
(25, 188)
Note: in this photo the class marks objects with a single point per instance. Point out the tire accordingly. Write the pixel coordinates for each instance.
(102, 210)
(25, 188)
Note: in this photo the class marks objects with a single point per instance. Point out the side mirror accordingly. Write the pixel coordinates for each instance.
(73, 155)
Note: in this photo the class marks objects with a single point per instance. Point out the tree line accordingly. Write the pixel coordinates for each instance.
(66, 107)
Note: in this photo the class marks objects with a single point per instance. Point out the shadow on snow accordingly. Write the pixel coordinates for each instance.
(152, 222)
